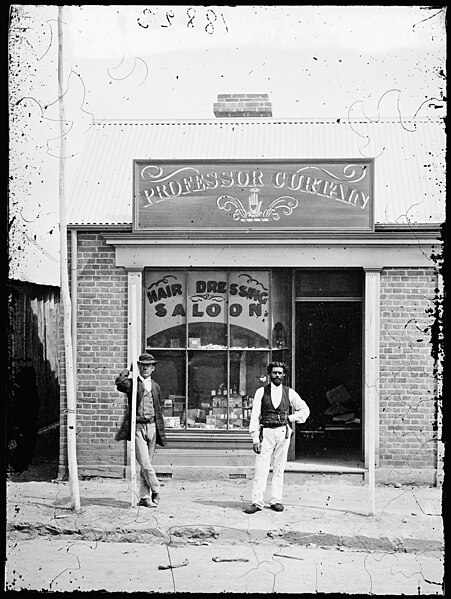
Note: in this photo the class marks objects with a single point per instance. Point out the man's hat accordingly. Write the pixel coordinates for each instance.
(146, 359)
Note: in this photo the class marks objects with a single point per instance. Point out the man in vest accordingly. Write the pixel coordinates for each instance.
(274, 408)
(149, 425)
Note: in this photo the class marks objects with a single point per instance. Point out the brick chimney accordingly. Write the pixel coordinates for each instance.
(242, 105)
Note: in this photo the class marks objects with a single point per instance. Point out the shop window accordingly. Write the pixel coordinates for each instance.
(170, 375)
(207, 390)
(249, 309)
(281, 316)
(207, 309)
(165, 309)
(213, 334)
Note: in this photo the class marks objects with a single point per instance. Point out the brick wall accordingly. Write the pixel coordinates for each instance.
(408, 388)
(242, 105)
(102, 351)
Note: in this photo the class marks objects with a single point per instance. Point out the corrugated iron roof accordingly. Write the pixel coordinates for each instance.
(409, 159)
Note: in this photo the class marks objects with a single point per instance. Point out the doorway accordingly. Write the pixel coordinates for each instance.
(328, 376)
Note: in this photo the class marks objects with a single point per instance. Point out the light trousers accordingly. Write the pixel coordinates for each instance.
(274, 445)
(145, 441)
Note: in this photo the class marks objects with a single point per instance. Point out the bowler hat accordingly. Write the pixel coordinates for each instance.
(146, 359)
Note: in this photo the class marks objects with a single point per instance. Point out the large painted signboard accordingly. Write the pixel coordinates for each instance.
(253, 195)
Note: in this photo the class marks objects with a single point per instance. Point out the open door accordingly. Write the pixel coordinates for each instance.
(328, 376)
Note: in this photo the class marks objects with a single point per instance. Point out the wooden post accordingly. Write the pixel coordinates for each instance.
(133, 327)
(371, 462)
(371, 374)
(65, 295)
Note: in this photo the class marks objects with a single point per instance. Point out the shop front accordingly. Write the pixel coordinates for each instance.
(228, 264)
(213, 333)
(214, 329)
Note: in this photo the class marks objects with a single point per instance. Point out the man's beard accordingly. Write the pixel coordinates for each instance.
(277, 381)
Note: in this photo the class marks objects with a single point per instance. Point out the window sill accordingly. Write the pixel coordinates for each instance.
(211, 435)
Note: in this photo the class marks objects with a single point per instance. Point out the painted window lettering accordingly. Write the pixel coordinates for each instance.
(156, 295)
(207, 290)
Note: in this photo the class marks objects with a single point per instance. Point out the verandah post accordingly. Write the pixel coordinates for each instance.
(134, 359)
(65, 295)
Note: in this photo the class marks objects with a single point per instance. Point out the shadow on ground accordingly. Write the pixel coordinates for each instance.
(235, 505)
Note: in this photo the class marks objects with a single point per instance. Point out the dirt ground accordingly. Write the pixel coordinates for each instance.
(53, 564)
(199, 540)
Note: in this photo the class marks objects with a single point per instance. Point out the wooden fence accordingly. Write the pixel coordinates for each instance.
(33, 339)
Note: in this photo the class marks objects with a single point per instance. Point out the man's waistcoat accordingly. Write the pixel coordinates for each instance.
(270, 416)
(146, 408)
(125, 430)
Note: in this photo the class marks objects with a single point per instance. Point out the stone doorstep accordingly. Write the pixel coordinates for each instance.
(211, 472)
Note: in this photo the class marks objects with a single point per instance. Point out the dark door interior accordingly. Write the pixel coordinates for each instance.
(328, 376)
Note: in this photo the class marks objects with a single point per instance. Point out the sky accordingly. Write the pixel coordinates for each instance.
(171, 62)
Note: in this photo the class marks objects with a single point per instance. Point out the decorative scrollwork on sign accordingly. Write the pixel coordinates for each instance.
(285, 203)
(227, 202)
(163, 280)
(158, 178)
(249, 279)
(206, 296)
(350, 172)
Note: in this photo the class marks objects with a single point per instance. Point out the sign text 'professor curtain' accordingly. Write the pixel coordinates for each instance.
(320, 195)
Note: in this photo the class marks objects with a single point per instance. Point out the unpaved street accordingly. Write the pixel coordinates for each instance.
(327, 541)
(64, 564)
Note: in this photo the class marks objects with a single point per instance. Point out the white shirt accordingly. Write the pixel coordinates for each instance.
(300, 414)
(146, 382)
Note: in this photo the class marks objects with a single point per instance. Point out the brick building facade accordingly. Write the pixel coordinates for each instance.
(379, 285)
(408, 385)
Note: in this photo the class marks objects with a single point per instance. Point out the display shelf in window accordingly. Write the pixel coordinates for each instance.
(235, 411)
(165, 349)
(239, 343)
(240, 407)
(209, 347)
(207, 389)
(214, 407)
(174, 411)
(172, 422)
(194, 342)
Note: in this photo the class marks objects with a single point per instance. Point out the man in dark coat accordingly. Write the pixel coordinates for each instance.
(149, 425)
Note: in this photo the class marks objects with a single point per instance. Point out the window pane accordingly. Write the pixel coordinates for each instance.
(247, 373)
(283, 356)
(170, 375)
(281, 309)
(207, 389)
(165, 309)
(249, 309)
(207, 309)
(328, 283)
